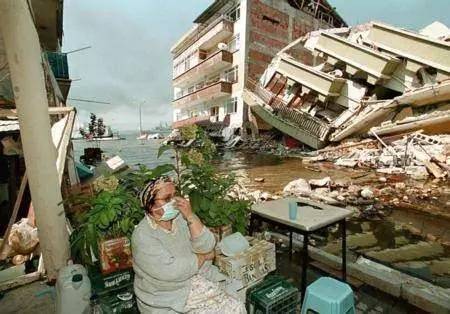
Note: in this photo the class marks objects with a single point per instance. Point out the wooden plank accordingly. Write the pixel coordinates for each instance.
(13, 218)
(20, 281)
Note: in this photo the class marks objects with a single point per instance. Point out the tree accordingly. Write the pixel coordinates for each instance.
(100, 128)
(92, 124)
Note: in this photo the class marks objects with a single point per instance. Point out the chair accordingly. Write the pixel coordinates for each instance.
(328, 296)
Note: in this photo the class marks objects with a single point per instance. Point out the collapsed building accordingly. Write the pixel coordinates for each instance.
(368, 80)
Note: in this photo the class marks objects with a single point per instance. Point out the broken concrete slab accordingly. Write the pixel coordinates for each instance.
(408, 252)
(320, 182)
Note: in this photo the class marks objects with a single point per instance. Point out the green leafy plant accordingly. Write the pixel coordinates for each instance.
(206, 188)
(112, 214)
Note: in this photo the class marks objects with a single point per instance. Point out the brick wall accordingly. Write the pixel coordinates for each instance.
(272, 26)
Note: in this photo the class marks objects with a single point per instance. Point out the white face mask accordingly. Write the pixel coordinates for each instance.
(170, 211)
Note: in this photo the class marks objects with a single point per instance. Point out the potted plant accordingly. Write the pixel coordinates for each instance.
(113, 212)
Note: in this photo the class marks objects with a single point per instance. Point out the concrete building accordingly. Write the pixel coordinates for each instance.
(230, 43)
(354, 82)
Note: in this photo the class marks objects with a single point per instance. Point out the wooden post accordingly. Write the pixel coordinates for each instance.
(24, 56)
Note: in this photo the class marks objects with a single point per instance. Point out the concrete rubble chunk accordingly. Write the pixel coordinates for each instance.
(367, 193)
(320, 182)
(417, 172)
(408, 252)
(297, 187)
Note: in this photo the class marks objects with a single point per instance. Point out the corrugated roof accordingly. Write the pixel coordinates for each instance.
(9, 125)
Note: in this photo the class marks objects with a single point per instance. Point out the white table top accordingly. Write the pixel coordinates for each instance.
(309, 217)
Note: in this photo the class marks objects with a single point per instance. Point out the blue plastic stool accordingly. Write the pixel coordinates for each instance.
(329, 296)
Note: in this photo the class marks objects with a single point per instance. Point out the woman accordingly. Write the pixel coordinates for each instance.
(172, 254)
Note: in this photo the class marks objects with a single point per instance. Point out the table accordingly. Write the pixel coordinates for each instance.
(311, 217)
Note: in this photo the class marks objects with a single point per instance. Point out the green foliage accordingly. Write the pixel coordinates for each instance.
(112, 214)
(135, 181)
(206, 188)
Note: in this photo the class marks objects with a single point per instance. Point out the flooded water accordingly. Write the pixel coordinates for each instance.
(399, 240)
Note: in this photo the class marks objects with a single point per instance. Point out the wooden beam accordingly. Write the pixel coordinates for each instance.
(51, 111)
(24, 55)
(20, 281)
(13, 217)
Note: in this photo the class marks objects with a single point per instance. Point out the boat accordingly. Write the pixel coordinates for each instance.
(155, 136)
(143, 136)
(108, 136)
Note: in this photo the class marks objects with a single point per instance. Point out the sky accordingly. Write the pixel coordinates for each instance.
(129, 61)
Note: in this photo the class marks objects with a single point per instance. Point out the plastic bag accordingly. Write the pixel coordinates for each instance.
(23, 238)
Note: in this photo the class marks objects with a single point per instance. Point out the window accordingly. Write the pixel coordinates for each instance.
(214, 111)
(231, 105)
(231, 75)
(234, 44)
(235, 13)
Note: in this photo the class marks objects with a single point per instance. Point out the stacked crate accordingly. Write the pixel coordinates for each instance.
(274, 295)
(250, 266)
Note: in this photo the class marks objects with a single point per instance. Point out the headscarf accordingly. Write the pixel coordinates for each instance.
(148, 193)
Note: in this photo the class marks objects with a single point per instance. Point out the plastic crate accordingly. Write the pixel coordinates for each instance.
(121, 301)
(103, 284)
(274, 295)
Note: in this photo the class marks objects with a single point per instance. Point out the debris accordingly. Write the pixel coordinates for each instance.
(417, 172)
(320, 182)
(346, 162)
(297, 187)
(367, 193)
(392, 170)
(259, 180)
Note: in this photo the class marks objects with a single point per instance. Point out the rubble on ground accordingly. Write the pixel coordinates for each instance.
(416, 155)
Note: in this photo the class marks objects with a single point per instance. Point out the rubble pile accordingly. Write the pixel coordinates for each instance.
(416, 155)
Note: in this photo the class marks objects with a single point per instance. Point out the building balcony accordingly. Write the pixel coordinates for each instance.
(60, 68)
(417, 48)
(377, 65)
(216, 62)
(324, 84)
(207, 37)
(207, 93)
(190, 121)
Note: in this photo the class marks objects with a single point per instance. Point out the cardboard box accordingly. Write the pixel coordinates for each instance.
(115, 255)
(251, 265)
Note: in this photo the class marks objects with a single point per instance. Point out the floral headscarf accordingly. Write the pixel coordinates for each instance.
(147, 195)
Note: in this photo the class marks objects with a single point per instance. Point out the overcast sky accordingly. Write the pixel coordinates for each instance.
(130, 62)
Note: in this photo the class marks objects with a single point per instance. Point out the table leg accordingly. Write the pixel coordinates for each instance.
(344, 249)
(305, 266)
(290, 244)
(252, 225)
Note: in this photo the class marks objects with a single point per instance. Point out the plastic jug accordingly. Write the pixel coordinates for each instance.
(73, 290)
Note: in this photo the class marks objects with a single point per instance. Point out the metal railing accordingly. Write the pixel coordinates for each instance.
(280, 108)
(201, 32)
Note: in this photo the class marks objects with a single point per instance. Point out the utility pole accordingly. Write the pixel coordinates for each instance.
(24, 56)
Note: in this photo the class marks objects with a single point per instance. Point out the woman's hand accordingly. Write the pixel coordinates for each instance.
(205, 257)
(184, 206)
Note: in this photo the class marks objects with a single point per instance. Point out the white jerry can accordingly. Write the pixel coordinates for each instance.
(73, 290)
